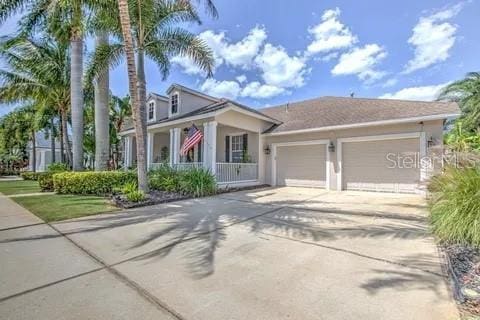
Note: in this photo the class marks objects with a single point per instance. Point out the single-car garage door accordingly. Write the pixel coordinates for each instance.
(381, 165)
(301, 165)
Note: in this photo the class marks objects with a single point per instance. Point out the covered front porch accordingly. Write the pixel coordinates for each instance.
(230, 152)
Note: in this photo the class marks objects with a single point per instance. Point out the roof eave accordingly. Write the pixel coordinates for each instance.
(367, 124)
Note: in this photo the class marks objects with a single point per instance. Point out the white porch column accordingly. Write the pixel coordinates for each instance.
(149, 149)
(210, 146)
(31, 165)
(42, 166)
(174, 146)
(127, 154)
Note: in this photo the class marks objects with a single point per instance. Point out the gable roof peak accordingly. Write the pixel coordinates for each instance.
(191, 91)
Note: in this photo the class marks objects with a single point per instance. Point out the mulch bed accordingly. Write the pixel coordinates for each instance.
(158, 197)
(464, 269)
(152, 198)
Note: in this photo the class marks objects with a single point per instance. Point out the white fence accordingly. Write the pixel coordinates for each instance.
(236, 172)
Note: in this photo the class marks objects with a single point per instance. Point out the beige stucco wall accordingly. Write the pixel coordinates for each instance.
(432, 129)
(223, 131)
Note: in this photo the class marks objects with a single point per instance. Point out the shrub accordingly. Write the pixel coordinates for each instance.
(197, 182)
(45, 181)
(455, 205)
(30, 175)
(58, 167)
(135, 196)
(129, 187)
(94, 182)
(164, 178)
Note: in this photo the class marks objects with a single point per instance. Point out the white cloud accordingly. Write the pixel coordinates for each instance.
(390, 83)
(423, 93)
(279, 69)
(362, 62)
(239, 54)
(330, 34)
(261, 91)
(241, 78)
(432, 38)
(224, 89)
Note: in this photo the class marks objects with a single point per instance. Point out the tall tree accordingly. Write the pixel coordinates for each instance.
(37, 71)
(120, 110)
(467, 93)
(138, 111)
(154, 32)
(102, 128)
(65, 20)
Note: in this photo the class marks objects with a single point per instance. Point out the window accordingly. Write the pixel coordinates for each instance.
(151, 110)
(236, 148)
(174, 104)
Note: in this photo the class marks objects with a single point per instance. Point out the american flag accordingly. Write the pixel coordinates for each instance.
(193, 137)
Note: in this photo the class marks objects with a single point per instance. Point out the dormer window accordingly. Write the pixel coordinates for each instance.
(174, 104)
(151, 111)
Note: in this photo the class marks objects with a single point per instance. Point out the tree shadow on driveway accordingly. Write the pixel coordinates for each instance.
(160, 229)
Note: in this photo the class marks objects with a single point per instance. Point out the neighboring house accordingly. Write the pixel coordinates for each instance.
(330, 142)
(43, 152)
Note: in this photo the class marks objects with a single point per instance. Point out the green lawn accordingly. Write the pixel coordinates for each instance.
(19, 187)
(55, 207)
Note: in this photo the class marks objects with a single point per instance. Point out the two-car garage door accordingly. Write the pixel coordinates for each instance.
(368, 163)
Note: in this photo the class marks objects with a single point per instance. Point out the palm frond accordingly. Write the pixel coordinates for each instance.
(179, 42)
(105, 56)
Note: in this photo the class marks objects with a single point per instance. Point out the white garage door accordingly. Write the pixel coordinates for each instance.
(383, 165)
(301, 165)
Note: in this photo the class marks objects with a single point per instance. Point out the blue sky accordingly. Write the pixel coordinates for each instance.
(270, 52)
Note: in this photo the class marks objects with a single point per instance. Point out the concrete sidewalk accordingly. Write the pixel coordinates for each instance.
(49, 277)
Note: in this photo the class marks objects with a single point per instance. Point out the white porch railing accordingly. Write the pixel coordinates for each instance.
(226, 172)
(236, 172)
(179, 166)
(188, 165)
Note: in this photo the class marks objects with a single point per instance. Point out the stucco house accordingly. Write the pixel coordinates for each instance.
(335, 143)
(43, 150)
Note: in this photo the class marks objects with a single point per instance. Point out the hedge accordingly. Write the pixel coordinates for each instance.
(45, 181)
(92, 183)
(30, 175)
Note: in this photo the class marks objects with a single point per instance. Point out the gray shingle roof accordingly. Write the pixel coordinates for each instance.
(335, 111)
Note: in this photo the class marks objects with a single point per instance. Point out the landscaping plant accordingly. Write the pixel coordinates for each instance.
(164, 178)
(197, 182)
(135, 196)
(92, 183)
(455, 205)
(30, 175)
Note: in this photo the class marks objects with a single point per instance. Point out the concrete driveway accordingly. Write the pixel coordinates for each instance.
(286, 253)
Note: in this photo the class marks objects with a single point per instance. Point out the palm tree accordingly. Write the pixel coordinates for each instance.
(156, 35)
(467, 93)
(102, 128)
(140, 129)
(120, 110)
(37, 71)
(65, 20)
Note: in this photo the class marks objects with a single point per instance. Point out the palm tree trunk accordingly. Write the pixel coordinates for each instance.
(68, 152)
(60, 138)
(138, 110)
(52, 139)
(102, 128)
(76, 96)
(34, 152)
